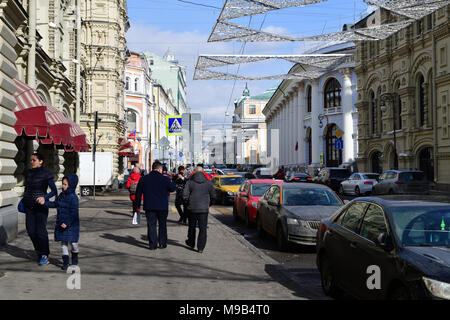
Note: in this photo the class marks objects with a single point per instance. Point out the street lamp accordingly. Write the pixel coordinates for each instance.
(392, 97)
(321, 117)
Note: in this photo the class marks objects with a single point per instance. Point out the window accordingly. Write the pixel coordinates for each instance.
(132, 121)
(309, 99)
(399, 113)
(333, 155)
(421, 91)
(332, 95)
(309, 197)
(373, 223)
(353, 216)
(136, 84)
(276, 195)
(252, 109)
(127, 83)
(374, 112)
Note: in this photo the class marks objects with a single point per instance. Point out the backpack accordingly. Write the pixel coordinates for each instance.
(133, 188)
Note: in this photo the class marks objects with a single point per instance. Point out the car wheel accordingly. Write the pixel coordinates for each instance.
(327, 278)
(281, 239)
(400, 293)
(357, 191)
(341, 190)
(235, 213)
(259, 228)
(86, 191)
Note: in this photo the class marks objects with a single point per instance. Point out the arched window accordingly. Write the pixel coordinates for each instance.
(308, 141)
(399, 113)
(375, 160)
(332, 94)
(333, 155)
(136, 84)
(421, 92)
(426, 163)
(308, 99)
(131, 121)
(127, 83)
(374, 112)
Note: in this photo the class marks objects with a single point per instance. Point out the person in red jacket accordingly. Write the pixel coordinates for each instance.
(132, 183)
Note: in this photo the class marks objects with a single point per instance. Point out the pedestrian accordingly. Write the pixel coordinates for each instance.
(67, 228)
(199, 194)
(180, 182)
(38, 180)
(142, 170)
(155, 189)
(165, 171)
(132, 183)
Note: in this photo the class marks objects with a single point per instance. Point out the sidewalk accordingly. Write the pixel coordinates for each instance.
(115, 263)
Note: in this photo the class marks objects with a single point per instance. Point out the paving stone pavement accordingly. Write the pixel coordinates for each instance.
(115, 263)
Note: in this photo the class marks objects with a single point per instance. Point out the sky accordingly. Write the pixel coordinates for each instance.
(157, 25)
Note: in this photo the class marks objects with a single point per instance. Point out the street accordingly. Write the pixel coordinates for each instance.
(115, 262)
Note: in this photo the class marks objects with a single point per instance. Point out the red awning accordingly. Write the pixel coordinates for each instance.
(30, 112)
(79, 138)
(38, 119)
(126, 150)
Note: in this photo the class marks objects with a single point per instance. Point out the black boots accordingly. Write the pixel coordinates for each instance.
(74, 258)
(65, 262)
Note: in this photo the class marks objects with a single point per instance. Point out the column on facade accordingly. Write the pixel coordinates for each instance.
(285, 137)
(300, 125)
(347, 103)
(291, 148)
(288, 129)
(294, 127)
(315, 130)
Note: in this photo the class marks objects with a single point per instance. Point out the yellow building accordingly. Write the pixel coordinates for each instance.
(403, 87)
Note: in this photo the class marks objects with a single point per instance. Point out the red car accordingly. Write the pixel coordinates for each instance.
(246, 199)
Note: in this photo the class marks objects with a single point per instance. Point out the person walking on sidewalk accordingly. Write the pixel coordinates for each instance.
(132, 184)
(38, 180)
(199, 194)
(180, 182)
(67, 228)
(155, 189)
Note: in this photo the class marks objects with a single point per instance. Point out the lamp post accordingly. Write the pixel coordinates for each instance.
(321, 117)
(392, 97)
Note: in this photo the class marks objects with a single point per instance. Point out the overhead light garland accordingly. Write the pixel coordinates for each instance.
(412, 9)
(239, 8)
(320, 64)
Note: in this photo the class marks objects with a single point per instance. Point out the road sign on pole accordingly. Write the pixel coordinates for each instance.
(174, 125)
(339, 144)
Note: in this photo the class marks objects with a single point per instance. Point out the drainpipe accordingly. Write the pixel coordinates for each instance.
(31, 76)
(434, 104)
(78, 57)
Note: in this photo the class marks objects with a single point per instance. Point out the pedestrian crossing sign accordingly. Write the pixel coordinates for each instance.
(174, 125)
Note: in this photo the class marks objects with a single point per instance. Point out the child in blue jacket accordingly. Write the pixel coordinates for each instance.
(67, 229)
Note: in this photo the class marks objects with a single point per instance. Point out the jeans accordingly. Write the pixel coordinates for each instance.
(157, 237)
(202, 219)
(36, 225)
(181, 208)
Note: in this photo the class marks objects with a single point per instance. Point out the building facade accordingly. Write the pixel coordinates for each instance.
(403, 98)
(315, 119)
(249, 124)
(139, 101)
(103, 57)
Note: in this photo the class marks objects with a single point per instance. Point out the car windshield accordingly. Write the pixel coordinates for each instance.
(371, 176)
(232, 181)
(411, 176)
(258, 189)
(340, 173)
(310, 197)
(422, 226)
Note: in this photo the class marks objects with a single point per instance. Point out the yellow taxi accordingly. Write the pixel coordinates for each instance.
(226, 187)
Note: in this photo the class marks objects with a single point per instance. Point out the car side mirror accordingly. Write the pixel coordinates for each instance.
(384, 241)
(273, 203)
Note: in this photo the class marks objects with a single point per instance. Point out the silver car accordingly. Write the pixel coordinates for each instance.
(359, 183)
(402, 182)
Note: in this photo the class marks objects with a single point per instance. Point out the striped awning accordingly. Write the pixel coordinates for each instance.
(38, 119)
(126, 150)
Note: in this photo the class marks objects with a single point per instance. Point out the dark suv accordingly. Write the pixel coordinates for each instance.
(332, 177)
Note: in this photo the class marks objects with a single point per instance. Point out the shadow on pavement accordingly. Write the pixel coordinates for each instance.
(27, 254)
(128, 239)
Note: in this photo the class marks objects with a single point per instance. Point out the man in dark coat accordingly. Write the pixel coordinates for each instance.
(156, 189)
(199, 194)
(180, 182)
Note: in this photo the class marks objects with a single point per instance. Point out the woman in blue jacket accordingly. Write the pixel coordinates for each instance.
(67, 229)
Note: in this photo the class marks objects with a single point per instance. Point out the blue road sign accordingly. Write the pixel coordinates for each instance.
(339, 144)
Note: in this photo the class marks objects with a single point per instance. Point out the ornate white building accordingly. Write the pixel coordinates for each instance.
(316, 119)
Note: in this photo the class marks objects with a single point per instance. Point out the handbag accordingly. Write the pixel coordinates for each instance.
(136, 218)
(21, 207)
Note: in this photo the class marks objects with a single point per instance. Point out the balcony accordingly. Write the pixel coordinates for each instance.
(334, 110)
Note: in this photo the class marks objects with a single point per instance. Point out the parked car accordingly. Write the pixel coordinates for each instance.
(262, 173)
(407, 241)
(219, 172)
(292, 212)
(246, 200)
(298, 177)
(226, 187)
(246, 175)
(402, 182)
(359, 183)
(332, 177)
